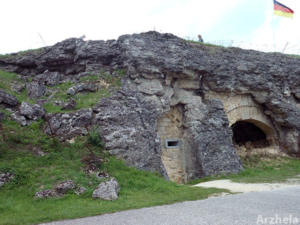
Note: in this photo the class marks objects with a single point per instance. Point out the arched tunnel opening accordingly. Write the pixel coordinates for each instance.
(247, 132)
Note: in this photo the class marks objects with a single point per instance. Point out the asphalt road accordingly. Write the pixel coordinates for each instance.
(281, 206)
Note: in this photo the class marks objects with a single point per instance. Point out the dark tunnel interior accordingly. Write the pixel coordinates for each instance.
(244, 132)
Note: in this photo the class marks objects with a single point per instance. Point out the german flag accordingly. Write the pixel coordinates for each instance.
(282, 10)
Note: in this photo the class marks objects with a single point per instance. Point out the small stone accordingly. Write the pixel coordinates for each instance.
(107, 190)
(64, 186)
(80, 190)
(19, 118)
(45, 194)
(82, 88)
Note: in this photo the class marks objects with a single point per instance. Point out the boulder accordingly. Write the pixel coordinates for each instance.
(5, 178)
(18, 87)
(49, 78)
(16, 116)
(64, 186)
(86, 87)
(68, 125)
(32, 112)
(80, 190)
(107, 190)
(35, 89)
(8, 99)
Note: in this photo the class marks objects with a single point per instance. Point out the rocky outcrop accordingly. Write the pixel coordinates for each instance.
(68, 125)
(128, 127)
(107, 190)
(35, 89)
(164, 71)
(32, 112)
(8, 99)
(82, 88)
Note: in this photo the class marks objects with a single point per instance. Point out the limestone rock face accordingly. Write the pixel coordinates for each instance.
(128, 127)
(68, 125)
(107, 190)
(165, 72)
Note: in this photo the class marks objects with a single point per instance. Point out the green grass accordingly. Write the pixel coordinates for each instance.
(89, 99)
(261, 170)
(22, 53)
(6, 81)
(64, 161)
(204, 44)
(83, 100)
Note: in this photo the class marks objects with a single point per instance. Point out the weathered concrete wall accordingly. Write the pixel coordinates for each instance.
(170, 128)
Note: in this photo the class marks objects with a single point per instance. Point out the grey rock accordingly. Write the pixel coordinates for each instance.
(128, 127)
(32, 112)
(107, 190)
(35, 89)
(49, 78)
(5, 178)
(80, 190)
(2, 116)
(69, 125)
(8, 99)
(64, 187)
(18, 87)
(45, 194)
(86, 87)
(16, 116)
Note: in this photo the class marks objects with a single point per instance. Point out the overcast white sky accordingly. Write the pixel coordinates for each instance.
(27, 24)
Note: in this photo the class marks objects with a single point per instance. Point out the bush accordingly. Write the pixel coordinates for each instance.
(94, 139)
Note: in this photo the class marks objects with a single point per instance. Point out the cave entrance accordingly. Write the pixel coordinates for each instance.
(247, 132)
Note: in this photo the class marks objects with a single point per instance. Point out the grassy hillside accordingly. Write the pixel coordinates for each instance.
(18, 154)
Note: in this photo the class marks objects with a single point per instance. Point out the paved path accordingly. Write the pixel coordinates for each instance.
(247, 187)
(281, 206)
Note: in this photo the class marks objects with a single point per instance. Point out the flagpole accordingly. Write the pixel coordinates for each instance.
(273, 30)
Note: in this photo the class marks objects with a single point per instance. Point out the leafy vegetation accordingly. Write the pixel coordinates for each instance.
(19, 154)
